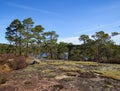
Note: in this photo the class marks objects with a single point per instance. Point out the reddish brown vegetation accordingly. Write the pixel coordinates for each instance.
(5, 57)
(14, 62)
(17, 63)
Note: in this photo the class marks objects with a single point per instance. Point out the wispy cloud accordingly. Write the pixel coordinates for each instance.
(90, 31)
(30, 8)
(99, 28)
(106, 8)
(73, 40)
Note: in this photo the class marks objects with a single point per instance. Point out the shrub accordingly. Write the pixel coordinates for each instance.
(14, 62)
(17, 63)
(20, 61)
(5, 57)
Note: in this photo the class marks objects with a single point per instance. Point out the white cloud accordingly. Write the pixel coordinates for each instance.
(116, 39)
(100, 27)
(73, 40)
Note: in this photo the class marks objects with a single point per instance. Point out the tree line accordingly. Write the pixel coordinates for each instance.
(27, 39)
(100, 47)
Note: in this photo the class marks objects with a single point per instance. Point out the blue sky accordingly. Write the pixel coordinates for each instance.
(69, 18)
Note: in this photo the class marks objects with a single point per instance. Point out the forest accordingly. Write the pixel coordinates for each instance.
(27, 39)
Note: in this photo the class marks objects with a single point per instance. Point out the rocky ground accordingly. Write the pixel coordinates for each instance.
(63, 76)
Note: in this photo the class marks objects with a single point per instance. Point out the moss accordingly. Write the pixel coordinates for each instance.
(51, 75)
(47, 71)
(87, 63)
(56, 63)
(43, 63)
(72, 63)
(114, 74)
(2, 79)
(108, 85)
(68, 69)
(29, 69)
(82, 71)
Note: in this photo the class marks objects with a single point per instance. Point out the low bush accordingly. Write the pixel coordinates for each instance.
(5, 57)
(14, 62)
(18, 63)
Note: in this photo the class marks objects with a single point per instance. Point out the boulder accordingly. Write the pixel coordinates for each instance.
(31, 60)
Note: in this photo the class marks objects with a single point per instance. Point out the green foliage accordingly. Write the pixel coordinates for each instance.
(62, 50)
(84, 38)
(50, 44)
(25, 39)
(99, 48)
(13, 34)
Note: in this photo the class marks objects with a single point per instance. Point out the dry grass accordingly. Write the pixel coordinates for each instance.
(5, 68)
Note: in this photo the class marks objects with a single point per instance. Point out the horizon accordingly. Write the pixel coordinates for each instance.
(69, 18)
